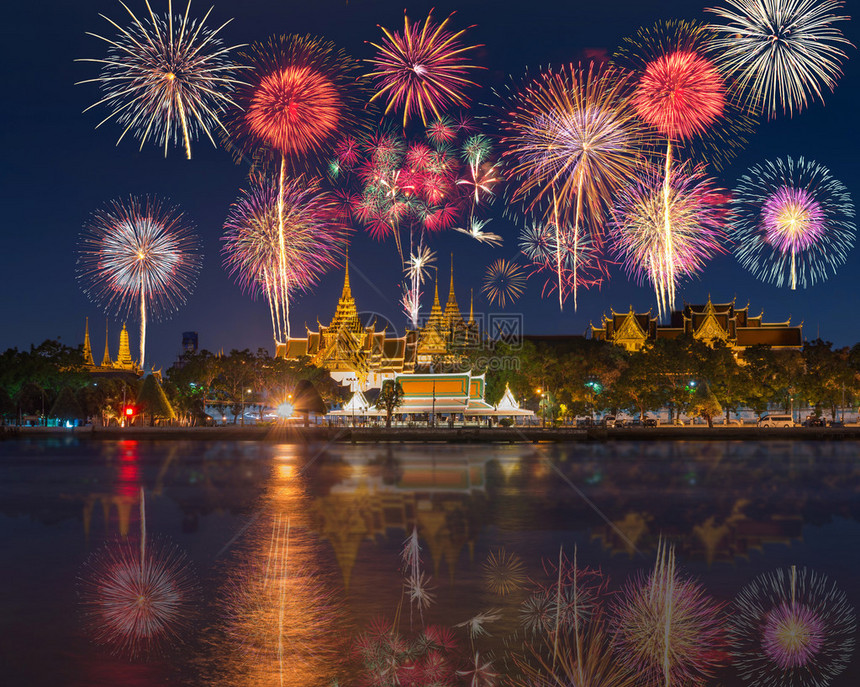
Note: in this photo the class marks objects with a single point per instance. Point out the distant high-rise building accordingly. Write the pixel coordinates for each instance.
(189, 342)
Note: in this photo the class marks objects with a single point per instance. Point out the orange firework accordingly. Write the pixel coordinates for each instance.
(680, 94)
(298, 99)
(294, 110)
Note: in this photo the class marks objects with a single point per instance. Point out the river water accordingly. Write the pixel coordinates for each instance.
(245, 563)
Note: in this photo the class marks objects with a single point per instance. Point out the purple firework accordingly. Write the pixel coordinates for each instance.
(792, 219)
(793, 222)
(791, 628)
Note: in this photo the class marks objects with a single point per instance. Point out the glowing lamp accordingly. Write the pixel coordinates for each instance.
(285, 410)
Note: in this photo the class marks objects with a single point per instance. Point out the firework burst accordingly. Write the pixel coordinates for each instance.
(504, 572)
(141, 254)
(782, 52)
(794, 222)
(692, 206)
(583, 660)
(416, 269)
(504, 282)
(571, 141)
(166, 78)
(422, 70)
(298, 100)
(792, 629)
(476, 231)
(314, 241)
(566, 265)
(137, 599)
(667, 630)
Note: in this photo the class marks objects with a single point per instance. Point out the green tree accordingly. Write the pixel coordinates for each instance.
(152, 401)
(705, 404)
(66, 407)
(827, 374)
(389, 399)
(638, 388)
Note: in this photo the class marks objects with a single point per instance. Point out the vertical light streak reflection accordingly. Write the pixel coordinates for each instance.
(283, 624)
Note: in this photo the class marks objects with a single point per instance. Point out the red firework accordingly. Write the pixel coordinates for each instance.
(298, 96)
(680, 94)
(421, 70)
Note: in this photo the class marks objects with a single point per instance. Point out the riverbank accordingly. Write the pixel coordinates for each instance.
(464, 435)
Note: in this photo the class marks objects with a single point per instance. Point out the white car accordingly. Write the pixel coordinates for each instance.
(775, 421)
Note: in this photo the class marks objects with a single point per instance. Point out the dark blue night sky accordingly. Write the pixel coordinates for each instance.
(58, 169)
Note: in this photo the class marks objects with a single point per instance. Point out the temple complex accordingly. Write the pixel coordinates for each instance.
(124, 363)
(358, 355)
(708, 322)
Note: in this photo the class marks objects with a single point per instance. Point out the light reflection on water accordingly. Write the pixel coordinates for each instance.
(295, 610)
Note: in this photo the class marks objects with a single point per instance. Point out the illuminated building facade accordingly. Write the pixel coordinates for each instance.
(708, 322)
(358, 355)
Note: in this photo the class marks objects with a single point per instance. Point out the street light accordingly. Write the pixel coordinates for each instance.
(242, 421)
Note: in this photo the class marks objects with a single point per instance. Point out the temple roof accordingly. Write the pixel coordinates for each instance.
(709, 321)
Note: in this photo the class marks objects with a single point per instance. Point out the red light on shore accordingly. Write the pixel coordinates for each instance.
(129, 411)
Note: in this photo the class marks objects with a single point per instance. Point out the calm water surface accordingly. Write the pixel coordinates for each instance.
(282, 564)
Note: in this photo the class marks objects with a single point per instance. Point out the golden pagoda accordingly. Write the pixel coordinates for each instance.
(433, 336)
(353, 353)
(357, 354)
(124, 362)
(453, 318)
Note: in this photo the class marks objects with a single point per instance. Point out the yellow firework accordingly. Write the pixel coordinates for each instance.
(504, 282)
(504, 572)
(166, 78)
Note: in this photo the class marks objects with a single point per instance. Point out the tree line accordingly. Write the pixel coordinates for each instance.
(561, 380)
(579, 377)
(51, 381)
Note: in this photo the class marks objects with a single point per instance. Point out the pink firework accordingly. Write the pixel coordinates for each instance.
(314, 239)
(138, 605)
(567, 265)
(137, 598)
(419, 185)
(421, 70)
(696, 214)
(792, 634)
(791, 628)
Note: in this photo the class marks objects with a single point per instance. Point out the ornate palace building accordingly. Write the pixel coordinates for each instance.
(708, 322)
(355, 353)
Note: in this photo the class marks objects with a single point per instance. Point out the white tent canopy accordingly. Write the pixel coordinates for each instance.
(356, 406)
(508, 405)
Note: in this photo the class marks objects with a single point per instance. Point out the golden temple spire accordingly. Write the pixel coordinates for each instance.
(106, 361)
(471, 306)
(123, 358)
(436, 320)
(345, 315)
(88, 349)
(347, 291)
(452, 310)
